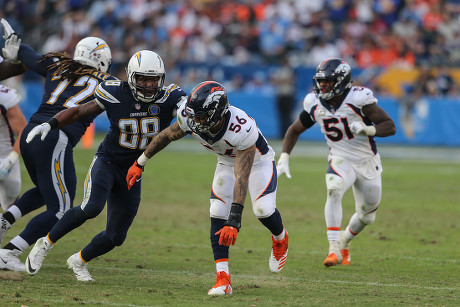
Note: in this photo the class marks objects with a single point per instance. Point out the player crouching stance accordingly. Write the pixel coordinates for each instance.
(244, 161)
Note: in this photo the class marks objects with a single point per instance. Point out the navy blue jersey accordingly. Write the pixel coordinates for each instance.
(61, 94)
(134, 123)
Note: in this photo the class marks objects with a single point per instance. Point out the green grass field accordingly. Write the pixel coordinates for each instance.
(410, 256)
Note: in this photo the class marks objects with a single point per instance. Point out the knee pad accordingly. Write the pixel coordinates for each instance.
(218, 209)
(334, 182)
(264, 206)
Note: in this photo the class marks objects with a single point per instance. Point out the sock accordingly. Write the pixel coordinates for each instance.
(333, 234)
(9, 217)
(280, 236)
(219, 251)
(10, 246)
(17, 243)
(222, 266)
(274, 223)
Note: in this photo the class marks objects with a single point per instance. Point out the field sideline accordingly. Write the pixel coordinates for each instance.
(410, 256)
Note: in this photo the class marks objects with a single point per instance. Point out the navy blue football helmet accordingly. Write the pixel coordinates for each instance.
(336, 70)
(206, 104)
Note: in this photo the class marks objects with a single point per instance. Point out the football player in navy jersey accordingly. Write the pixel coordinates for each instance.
(138, 110)
(69, 82)
(245, 161)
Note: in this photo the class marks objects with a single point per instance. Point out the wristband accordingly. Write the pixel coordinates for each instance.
(234, 218)
(284, 156)
(53, 122)
(370, 130)
(142, 160)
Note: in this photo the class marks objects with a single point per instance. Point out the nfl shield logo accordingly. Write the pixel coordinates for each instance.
(137, 106)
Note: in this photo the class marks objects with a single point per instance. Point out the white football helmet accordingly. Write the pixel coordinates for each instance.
(145, 63)
(94, 52)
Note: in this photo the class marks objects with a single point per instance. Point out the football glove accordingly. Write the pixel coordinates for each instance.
(6, 164)
(228, 233)
(134, 173)
(283, 165)
(359, 128)
(42, 130)
(12, 43)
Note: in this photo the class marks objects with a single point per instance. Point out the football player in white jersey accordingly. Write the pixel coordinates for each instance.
(12, 122)
(244, 161)
(350, 119)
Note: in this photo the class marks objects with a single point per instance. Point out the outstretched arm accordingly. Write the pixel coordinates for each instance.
(289, 141)
(159, 142)
(292, 135)
(8, 70)
(172, 133)
(65, 118)
(70, 116)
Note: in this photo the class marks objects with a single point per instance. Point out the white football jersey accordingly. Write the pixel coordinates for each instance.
(239, 132)
(334, 124)
(8, 99)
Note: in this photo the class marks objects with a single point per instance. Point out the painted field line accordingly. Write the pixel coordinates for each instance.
(274, 277)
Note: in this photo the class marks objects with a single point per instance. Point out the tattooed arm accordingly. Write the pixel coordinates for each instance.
(242, 168)
(172, 133)
(159, 142)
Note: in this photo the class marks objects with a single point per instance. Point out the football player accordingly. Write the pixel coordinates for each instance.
(138, 110)
(69, 82)
(350, 119)
(12, 122)
(244, 161)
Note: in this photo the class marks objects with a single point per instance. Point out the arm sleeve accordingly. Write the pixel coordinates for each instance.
(305, 119)
(31, 59)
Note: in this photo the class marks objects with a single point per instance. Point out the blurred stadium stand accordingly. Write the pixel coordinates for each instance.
(407, 52)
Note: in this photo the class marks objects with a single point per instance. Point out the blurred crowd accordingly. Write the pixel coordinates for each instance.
(369, 34)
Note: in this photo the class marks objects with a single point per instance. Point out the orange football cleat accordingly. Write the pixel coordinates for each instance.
(223, 285)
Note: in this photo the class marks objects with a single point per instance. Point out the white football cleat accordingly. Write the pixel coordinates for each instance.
(9, 260)
(37, 255)
(279, 253)
(79, 267)
(223, 285)
(4, 226)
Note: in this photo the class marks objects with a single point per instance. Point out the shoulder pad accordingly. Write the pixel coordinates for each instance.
(309, 101)
(106, 89)
(173, 91)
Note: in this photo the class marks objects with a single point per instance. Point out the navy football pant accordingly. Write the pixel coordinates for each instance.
(51, 168)
(106, 182)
